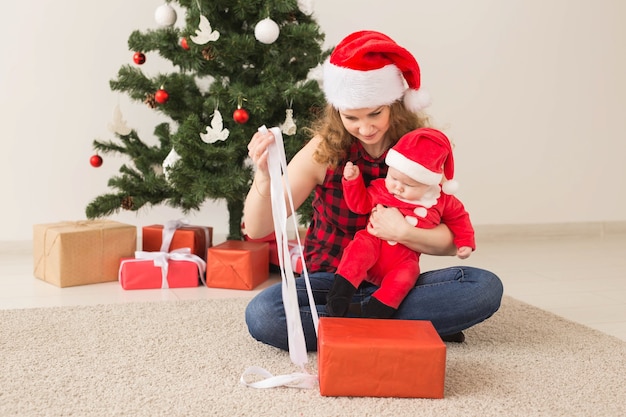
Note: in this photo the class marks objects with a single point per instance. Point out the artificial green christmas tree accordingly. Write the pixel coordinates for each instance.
(255, 56)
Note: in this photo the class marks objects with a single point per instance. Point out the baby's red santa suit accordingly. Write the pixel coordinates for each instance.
(425, 155)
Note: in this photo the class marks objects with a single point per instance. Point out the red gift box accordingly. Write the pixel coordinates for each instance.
(150, 270)
(197, 238)
(236, 264)
(271, 241)
(380, 358)
(294, 253)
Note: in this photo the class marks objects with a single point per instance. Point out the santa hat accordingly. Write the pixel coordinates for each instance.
(426, 156)
(368, 69)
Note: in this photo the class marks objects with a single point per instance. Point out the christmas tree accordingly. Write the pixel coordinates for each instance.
(254, 58)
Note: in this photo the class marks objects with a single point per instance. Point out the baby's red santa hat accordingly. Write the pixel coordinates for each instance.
(426, 156)
(368, 69)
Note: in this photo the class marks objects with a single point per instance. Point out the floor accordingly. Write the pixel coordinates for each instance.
(580, 278)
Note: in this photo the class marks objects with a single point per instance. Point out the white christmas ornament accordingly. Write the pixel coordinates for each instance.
(118, 125)
(216, 131)
(165, 15)
(205, 33)
(289, 127)
(306, 6)
(266, 31)
(169, 162)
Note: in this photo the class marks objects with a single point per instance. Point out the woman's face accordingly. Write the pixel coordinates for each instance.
(369, 125)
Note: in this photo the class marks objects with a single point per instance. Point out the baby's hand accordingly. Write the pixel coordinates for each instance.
(464, 252)
(350, 171)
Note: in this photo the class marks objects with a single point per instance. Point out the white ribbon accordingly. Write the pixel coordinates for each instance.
(294, 380)
(168, 232)
(296, 253)
(277, 164)
(161, 259)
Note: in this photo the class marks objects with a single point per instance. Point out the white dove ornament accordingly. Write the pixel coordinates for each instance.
(205, 33)
(216, 131)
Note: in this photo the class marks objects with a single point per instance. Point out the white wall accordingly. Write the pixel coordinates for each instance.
(532, 92)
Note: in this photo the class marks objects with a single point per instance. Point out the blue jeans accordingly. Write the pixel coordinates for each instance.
(453, 299)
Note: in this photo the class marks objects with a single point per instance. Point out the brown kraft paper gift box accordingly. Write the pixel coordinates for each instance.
(238, 265)
(81, 252)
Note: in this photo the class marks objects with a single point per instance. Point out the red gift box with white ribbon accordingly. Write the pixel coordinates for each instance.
(150, 270)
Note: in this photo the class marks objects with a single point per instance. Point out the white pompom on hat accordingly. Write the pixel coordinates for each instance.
(425, 155)
(369, 69)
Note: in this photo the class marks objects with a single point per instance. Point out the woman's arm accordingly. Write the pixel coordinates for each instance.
(303, 172)
(389, 224)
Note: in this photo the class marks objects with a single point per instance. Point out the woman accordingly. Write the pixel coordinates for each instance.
(370, 108)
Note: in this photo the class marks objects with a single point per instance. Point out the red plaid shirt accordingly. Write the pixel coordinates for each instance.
(333, 224)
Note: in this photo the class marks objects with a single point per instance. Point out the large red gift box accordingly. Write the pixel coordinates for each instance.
(149, 270)
(237, 265)
(380, 358)
(197, 238)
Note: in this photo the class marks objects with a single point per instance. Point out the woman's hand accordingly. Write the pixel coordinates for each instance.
(257, 213)
(257, 150)
(387, 223)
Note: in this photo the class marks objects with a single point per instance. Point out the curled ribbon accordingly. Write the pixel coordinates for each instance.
(277, 165)
(161, 259)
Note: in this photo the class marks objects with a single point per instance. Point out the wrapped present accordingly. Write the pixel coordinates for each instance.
(237, 265)
(294, 253)
(148, 270)
(380, 358)
(82, 252)
(177, 234)
(271, 241)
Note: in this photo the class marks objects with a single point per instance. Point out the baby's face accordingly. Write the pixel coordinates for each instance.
(404, 187)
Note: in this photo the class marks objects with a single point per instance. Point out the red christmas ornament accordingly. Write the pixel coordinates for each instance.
(241, 115)
(184, 44)
(161, 96)
(95, 161)
(139, 58)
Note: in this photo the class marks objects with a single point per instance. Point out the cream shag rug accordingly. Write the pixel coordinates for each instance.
(186, 358)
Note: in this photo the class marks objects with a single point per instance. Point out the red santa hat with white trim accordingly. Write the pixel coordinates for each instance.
(425, 155)
(368, 69)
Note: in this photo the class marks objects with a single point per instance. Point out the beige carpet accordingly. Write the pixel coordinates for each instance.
(186, 358)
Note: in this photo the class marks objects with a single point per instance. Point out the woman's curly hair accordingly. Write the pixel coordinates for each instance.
(336, 140)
